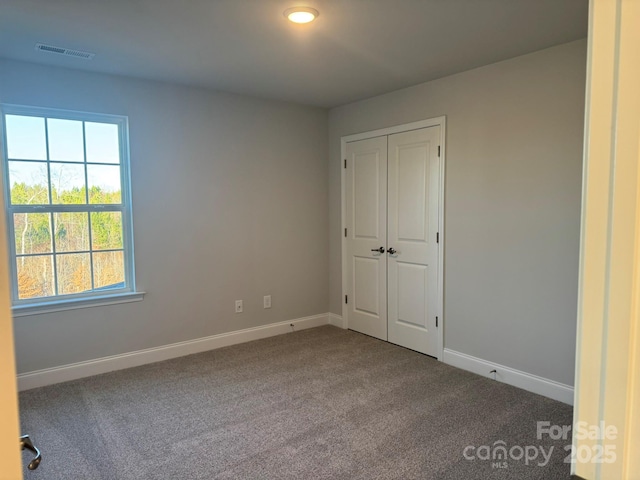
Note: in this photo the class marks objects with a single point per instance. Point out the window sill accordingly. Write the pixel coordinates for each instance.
(62, 305)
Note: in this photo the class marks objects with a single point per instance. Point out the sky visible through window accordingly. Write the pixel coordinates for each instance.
(27, 140)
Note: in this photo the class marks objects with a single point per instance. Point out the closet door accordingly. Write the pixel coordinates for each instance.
(412, 261)
(366, 222)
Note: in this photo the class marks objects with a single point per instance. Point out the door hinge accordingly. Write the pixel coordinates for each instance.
(345, 163)
(345, 233)
(346, 299)
(438, 150)
(437, 237)
(436, 322)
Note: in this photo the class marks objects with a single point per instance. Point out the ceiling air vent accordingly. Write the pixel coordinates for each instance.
(65, 51)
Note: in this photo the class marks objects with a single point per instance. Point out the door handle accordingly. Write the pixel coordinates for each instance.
(381, 249)
(27, 444)
(392, 250)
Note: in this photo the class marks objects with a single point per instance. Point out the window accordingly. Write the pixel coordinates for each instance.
(67, 197)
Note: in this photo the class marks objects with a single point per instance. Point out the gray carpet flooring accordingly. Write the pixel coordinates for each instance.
(318, 403)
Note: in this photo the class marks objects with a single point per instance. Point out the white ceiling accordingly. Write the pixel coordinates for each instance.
(355, 49)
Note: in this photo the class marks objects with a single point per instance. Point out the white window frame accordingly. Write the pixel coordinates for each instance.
(78, 300)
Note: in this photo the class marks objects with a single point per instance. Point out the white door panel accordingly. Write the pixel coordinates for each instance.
(366, 285)
(366, 222)
(410, 184)
(413, 196)
(411, 285)
(366, 195)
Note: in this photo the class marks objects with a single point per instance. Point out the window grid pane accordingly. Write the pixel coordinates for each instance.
(106, 231)
(65, 140)
(74, 273)
(68, 184)
(26, 139)
(32, 233)
(70, 251)
(104, 184)
(108, 269)
(71, 232)
(28, 183)
(35, 276)
(102, 143)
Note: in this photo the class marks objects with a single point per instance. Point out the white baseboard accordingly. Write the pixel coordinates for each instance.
(64, 373)
(336, 320)
(73, 371)
(526, 381)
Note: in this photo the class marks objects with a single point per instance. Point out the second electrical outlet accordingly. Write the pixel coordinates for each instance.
(267, 301)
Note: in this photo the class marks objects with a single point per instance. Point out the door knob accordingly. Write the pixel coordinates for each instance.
(391, 250)
(381, 249)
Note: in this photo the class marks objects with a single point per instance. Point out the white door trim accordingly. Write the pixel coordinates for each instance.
(432, 122)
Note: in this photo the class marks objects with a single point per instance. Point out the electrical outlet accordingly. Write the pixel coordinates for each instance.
(266, 303)
(238, 306)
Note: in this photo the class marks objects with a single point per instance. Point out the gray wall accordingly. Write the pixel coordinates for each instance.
(229, 202)
(512, 203)
(247, 180)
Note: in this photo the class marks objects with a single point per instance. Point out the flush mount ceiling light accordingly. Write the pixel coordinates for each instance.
(301, 14)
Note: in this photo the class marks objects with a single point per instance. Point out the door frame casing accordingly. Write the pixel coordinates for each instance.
(431, 122)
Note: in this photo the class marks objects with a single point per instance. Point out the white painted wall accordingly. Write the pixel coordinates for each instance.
(512, 208)
(229, 202)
